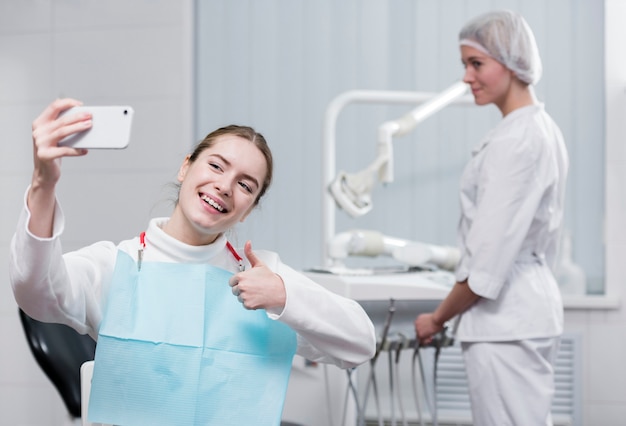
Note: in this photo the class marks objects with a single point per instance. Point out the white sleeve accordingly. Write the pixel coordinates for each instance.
(331, 328)
(53, 287)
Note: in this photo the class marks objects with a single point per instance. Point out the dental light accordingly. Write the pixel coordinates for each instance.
(352, 192)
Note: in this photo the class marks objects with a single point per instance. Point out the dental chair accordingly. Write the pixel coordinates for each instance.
(60, 351)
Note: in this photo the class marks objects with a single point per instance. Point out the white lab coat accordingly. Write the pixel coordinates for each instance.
(512, 196)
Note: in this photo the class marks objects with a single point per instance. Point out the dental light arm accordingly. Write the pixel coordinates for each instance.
(352, 192)
(408, 122)
(372, 243)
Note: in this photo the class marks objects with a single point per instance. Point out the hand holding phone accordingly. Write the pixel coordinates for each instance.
(110, 128)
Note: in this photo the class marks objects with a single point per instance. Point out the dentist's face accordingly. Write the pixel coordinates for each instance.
(489, 80)
(218, 190)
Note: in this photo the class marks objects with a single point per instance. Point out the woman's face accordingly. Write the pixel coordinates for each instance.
(489, 80)
(218, 190)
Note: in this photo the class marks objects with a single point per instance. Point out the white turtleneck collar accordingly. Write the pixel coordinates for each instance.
(164, 246)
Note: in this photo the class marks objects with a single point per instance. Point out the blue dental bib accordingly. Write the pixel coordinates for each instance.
(175, 347)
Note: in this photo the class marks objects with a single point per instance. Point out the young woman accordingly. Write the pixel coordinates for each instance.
(512, 196)
(190, 330)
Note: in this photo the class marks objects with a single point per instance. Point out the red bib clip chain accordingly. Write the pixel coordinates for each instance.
(142, 246)
(236, 255)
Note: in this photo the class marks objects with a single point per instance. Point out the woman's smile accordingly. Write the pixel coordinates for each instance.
(213, 203)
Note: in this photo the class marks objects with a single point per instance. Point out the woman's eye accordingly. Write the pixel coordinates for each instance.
(246, 187)
(215, 166)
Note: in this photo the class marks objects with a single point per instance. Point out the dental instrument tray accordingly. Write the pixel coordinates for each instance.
(405, 285)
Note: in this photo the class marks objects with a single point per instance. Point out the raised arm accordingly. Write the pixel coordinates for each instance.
(48, 130)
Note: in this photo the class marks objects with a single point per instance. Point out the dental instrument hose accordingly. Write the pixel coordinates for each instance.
(440, 340)
(418, 404)
(431, 408)
(351, 387)
(371, 382)
(401, 346)
(391, 384)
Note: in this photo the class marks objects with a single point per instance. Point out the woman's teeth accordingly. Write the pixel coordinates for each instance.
(212, 203)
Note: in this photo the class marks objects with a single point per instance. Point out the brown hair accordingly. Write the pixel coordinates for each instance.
(249, 134)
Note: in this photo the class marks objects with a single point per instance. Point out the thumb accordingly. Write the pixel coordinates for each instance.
(252, 258)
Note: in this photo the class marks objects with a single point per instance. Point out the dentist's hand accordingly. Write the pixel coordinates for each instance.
(258, 287)
(426, 327)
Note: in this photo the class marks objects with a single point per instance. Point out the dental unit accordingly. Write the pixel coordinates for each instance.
(391, 299)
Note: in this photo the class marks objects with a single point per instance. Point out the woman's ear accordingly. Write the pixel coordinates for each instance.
(182, 172)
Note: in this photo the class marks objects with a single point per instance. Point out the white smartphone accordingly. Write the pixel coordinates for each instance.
(110, 128)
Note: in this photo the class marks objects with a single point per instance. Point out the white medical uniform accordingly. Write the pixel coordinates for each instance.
(72, 288)
(512, 195)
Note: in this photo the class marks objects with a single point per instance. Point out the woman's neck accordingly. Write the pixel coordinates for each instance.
(519, 96)
(184, 231)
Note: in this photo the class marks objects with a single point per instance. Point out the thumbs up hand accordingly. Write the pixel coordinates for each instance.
(258, 287)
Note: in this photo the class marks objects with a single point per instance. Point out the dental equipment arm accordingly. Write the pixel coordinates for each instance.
(352, 192)
(373, 243)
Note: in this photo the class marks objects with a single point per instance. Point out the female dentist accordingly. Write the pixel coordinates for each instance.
(512, 196)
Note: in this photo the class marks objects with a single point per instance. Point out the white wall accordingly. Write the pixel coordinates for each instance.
(114, 52)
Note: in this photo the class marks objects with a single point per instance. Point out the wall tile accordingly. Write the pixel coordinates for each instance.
(12, 188)
(605, 381)
(16, 119)
(22, 405)
(94, 14)
(605, 414)
(615, 254)
(117, 64)
(25, 61)
(616, 202)
(25, 16)
(119, 203)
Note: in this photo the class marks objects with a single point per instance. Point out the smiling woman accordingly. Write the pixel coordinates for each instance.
(512, 200)
(220, 183)
(177, 310)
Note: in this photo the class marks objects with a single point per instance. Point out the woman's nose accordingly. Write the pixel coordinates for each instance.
(224, 186)
(468, 76)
